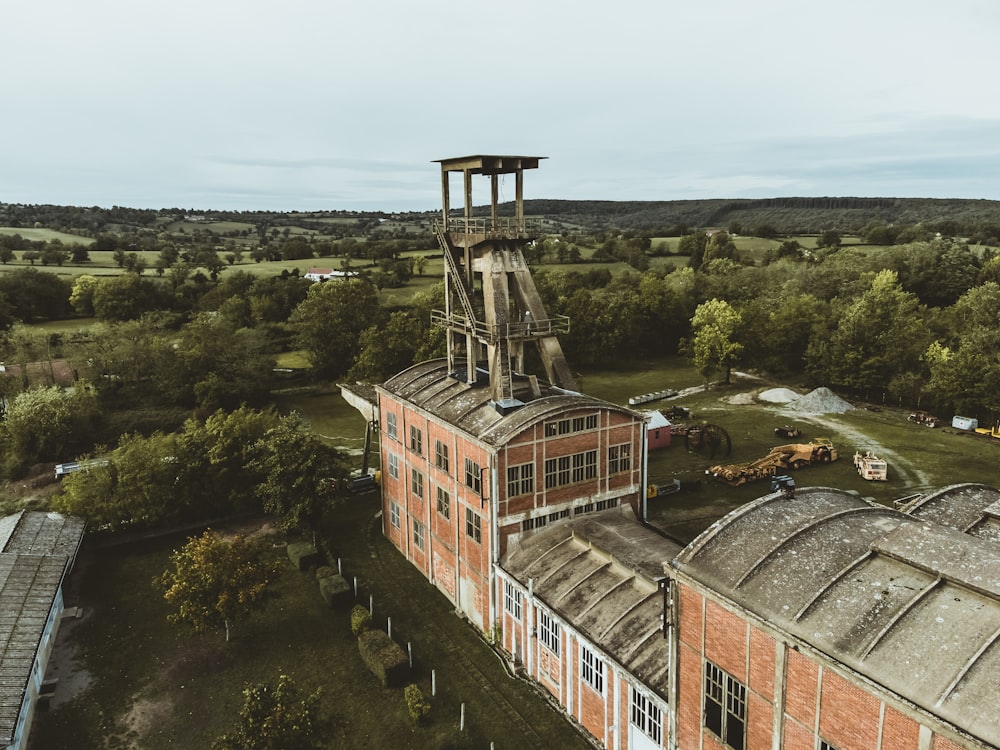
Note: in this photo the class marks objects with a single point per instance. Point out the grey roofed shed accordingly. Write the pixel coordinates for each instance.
(36, 551)
(599, 572)
(908, 604)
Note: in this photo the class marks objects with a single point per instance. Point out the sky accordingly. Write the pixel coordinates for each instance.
(308, 105)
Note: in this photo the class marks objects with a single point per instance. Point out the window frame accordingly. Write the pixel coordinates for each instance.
(416, 482)
(416, 440)
(391, 425)
(473, 526)
(521, 479)
(419, 536)
(548, 632)
(443, 502)
(394, 514)
(619, 458)
(474, 476)
(646, 715)
(513, 600)
(441, 455)
(724, 706)
(393, 466)
(592, 669)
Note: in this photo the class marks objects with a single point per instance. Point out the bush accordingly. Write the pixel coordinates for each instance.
(416, 704)
(325, 571)
(335, 590)
(384, 657)
(304, 555)
(361, 620)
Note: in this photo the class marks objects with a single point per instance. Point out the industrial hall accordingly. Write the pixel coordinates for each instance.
(817, 620)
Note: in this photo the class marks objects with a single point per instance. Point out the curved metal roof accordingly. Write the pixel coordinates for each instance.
(909, 604)
(599, 572)
(428, 386)
(972, 508)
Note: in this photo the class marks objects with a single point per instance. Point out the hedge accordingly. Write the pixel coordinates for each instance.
(384, 657)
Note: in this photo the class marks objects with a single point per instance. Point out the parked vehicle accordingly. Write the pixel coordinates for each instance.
(922, 417)
(871, 467)
(780, 459)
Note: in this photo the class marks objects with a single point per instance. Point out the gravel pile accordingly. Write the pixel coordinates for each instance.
(819, 401)
(778, 395)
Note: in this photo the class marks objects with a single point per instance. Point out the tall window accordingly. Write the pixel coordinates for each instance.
(393, 514)
(725, 706)
(569, 469)
(520, 480)
(548, 631)
(443, 502)
(647, 716)
(418, 534)
(441, 455)
(512, 599)
(390, 425)
(416, 440)
(473, 525)
(394, 466)
(417, 483)
(592, 669)
(619, 458)
(473, 476)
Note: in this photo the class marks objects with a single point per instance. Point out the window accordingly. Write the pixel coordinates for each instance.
(390, 425)
(417, 483)
(619, 458)
(394, 466)
(647, 716)
(393, 514)
(473, 476)
(443, 502)
(559, 514)
(569, 426)
(609, 503)
(568, 469)
(416, 440)
(725, 707)
(533, 523)
(441, 455)
(473, 525)
(520, 480)
(824, 745)
(585, 508)
(418, 534)
(591, 669)
(548, 632)
(584, 466)
(512, 598)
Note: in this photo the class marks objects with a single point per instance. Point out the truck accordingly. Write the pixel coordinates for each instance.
(871, 467)
(780, 459)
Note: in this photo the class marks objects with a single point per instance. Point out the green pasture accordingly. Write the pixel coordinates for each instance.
(46, 235)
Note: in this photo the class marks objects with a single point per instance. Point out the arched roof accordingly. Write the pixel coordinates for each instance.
(972, 508)
(909, 604)
(428, 386)
(599, 572)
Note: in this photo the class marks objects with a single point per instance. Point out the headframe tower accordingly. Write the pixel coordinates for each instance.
(492, 308)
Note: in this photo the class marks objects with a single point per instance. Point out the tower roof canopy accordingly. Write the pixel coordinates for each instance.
(489, 164)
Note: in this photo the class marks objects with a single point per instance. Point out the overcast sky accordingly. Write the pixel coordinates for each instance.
(329, 104)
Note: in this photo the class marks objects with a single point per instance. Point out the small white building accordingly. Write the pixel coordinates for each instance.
(326, 274)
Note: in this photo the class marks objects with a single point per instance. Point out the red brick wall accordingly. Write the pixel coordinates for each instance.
(940, 743)
(801, 684)
(762, 651)
(898, 730)
(689, 698)
(726, 640)
(849, 715)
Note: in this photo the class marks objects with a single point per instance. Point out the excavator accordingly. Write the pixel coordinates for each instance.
(780, 459)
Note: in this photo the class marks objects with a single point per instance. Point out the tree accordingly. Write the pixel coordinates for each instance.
(214, 581)
(127, 297)
(299, 474)
(36, 294)
(385, 350)
(712, 346)
(828, 238)
(329, 322)
(82, 296)
(878, 337)
(44, 424)
(277, 718)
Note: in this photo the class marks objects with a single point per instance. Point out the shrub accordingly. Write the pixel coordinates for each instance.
(416, 704)
(384, 657)
(335, 590)
(325, 571)
(361, 620)
(304, 555)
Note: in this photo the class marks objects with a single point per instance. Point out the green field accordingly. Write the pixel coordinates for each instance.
(47, 235)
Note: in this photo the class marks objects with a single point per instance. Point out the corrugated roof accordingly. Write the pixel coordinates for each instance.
(599, 573)
(36, 549)
(468, 407)
(909, 604)
(972, 508)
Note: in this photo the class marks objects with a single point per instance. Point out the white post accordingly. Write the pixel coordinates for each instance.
(340, 571)
(409, 650)
(355, 587)
(388, 626)
(434, 686)
(371, 604)
(461, 720)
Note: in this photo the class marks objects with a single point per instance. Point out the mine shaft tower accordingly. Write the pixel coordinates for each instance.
(492, 306)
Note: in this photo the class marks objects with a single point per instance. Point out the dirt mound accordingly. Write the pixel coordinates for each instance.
(778, 395)
(819, 401)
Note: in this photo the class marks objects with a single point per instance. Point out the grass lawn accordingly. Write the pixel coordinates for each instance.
(157, 685)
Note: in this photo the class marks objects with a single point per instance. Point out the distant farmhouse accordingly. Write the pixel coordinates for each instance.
(821, 621)
(326, 274)
(37, 552)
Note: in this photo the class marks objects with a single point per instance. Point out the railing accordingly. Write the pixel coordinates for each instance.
(501, 227)
(513, 330)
